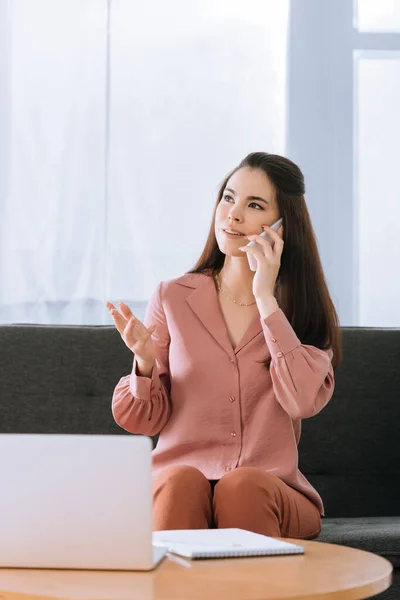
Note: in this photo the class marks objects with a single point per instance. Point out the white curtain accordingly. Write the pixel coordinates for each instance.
(118, 121)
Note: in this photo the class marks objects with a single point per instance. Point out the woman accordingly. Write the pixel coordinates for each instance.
(229, 361)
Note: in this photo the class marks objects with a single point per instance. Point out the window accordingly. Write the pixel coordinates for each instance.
(343, 129)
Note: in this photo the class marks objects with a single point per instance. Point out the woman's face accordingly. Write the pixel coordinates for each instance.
(248, 202)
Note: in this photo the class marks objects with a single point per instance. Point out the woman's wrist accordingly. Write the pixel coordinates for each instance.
(266, 306)
(144, 369)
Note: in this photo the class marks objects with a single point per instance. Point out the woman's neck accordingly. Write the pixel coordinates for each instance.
(236, 279)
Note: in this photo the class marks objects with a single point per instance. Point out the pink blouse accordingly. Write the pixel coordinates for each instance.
(219, 408)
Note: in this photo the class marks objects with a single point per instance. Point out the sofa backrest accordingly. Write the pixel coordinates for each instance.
(350, 451)
(60, 379)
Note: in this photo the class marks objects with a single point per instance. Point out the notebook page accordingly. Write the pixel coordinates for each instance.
(218, 540)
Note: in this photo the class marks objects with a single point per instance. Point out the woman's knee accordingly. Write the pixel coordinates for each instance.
(243, 479)
(180, 478)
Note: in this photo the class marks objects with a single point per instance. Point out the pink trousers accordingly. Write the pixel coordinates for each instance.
(247, 498)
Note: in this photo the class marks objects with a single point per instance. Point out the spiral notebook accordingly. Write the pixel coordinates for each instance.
(222, 543)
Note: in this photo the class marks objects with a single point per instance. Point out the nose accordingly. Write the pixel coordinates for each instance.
(235, 214)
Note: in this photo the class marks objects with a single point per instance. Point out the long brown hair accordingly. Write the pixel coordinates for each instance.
(301, 289)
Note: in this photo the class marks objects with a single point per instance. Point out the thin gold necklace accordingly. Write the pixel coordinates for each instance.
(231, 299)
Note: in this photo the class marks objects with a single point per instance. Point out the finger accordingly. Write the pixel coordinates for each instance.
(277, 248)
(277, 238)
(131, 325)
(125, 310)
(149, 333)
(111, 307)
(132, 331)
(139, 328)
(275, 235)
(135, 331)
(265, 245)
(257, 253)
(118, 319)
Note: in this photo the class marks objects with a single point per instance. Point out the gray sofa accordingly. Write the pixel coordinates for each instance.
(59, 379)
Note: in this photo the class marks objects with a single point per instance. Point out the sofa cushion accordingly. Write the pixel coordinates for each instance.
(380, 535)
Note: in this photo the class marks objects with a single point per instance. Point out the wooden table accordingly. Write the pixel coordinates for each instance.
(325, 571)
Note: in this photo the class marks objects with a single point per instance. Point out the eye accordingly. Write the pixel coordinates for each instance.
(255, 204)
(227, 198)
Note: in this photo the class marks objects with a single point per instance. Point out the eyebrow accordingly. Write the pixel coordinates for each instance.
(248, 197)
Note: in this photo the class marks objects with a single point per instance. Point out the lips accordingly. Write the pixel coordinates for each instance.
(233, 233)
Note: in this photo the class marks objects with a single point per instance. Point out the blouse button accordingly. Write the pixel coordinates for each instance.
(232, 398)
(274, 340)
(228, 468)
(233, 434)
(280, 354)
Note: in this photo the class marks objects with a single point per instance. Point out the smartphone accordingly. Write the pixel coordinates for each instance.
(252, 259)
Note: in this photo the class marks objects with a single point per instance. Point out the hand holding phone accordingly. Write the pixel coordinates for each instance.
(252, 259)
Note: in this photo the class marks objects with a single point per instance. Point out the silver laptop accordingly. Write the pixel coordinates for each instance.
(76, 502)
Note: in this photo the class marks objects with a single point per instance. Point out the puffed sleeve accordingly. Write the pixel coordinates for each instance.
(302, 375)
